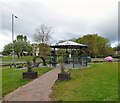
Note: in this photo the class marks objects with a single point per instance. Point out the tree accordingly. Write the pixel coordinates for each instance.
(117, 51)
(21, 38)
(44, 51)
(77, 40)
(91, 42)
(42, 36)
(104, 47)
(25, 38)
(20, 45)
(7, 49)
(98, 45)
(118, 47)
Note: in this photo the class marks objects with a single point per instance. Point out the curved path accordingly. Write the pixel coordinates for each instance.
(37, 90)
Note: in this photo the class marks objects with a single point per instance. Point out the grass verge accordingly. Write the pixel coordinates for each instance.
(21, 59)
(96, 83)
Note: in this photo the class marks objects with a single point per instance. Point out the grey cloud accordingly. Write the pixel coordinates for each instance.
(33, 14)
(109, 28)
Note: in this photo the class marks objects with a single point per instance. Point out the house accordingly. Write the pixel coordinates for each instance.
(35, 50)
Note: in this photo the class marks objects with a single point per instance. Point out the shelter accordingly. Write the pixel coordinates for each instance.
(75, 54)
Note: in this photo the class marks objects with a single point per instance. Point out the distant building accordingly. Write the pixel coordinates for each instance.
(1, 55)
(35, 50)
(117, 52)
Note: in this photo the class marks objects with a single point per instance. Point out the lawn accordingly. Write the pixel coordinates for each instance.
(0, 83)
(99, 82)
(21, 59)
(12, 78)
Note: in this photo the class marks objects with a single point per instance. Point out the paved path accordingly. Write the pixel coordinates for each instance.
(37, 90)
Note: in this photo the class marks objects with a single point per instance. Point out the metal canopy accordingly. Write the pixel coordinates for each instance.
(69, 44)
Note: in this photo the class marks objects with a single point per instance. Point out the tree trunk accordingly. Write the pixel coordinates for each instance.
(21, 54)
(44, 62)
(18, 55)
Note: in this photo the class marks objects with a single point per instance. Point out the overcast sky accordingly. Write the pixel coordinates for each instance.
(69, 18)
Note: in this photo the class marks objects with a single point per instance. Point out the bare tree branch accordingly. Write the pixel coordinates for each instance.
(43, 34)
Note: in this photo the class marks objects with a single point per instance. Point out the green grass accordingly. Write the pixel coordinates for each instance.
(21, 59)
(96, 83)
(0, 83)
(12, 78)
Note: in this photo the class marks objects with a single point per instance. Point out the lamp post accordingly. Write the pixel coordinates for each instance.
(13, 16)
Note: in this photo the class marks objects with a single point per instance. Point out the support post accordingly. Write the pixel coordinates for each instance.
(66, 57)
(54, 58)
(12, 39)
(73, 61)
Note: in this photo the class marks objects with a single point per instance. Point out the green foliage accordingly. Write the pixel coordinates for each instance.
(7, 49)
(77, 40)
(34, 59)
(98, 46)
(20, 45)
(118, 47)
(96, 83)
(21, 38)
(29, 68)
(43, 36)
(62, 68)
(44, 51)
(61, 52)
(61, 61)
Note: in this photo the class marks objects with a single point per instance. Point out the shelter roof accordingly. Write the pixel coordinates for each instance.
(69, 44)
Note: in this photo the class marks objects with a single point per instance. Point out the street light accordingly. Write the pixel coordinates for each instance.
(13, 16)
